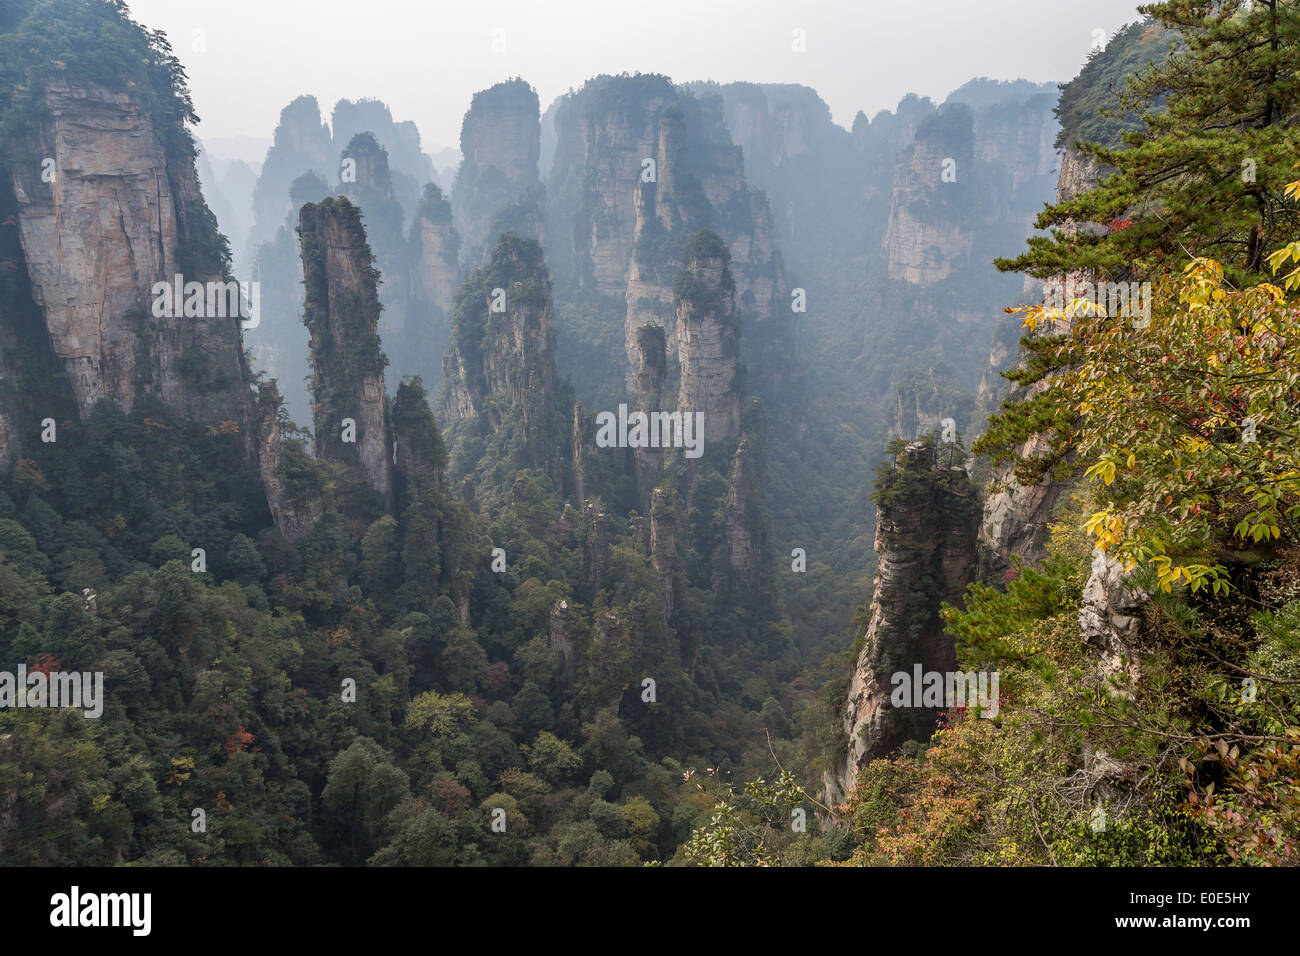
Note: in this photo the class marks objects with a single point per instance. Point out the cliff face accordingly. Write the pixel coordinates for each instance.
(747, 574)
(436, 248)
(121, 214)
(1020, 137)
(647, 375)
(1079, 173)
(9, 444)
(410, 166)
(106, 222)
(776, 125)
(743, 219)
(500, 140)
(649, 368)
(377, 163)
(295, 513)
(369, 173)
(709, 344)
(432, 524)
(420, 456)
(926, 523)
(640, 165)
(663, 551)
(342, 315)
(499, 372)
(25, 356)
(925, 399)
(927, 238)
(229, 196)
(671, 202)
(1015, 516)
(605, 132)
(302, 144)
(933, 539)
(367, 181)
(502, 358)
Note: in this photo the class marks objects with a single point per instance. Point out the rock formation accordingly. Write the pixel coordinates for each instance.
(33, 383)
(926, 521)
(925, 399)
(807, 165)
(709, 339)
(302, 144)
(605, 133)
(502, 357)
(1018, 136)
(295, 511)
(342, 314)
(409, 166)
(9, 444)
(122, 213)
(367, 181)
(647, 375)
(649, 368)
(433, 257)
(747, 572)
(419, 454)
(560, 639)
(594, 533)
(367, 165)
(663, 551)
(641, 165)
(279, 343)
(670, 202)
(106, 227)
(1110, 618)
(436, 249)
(500, 142)
(927, 238)
(499, 373)
(378, 164)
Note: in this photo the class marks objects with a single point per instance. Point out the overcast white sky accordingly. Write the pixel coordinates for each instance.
(426, 58)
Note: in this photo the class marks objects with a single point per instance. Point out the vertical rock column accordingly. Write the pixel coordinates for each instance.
(926, 521)
(436, 247)
(500, 140)
(709, 341)
(113, 213)
(342, 315)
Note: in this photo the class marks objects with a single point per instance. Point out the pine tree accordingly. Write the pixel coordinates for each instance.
(1205, 177)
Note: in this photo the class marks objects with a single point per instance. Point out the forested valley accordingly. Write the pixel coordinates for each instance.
(608, 491)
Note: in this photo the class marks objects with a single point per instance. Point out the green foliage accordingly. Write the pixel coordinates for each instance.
(755, 827)
(94, 42)
(231, 689)
(1089, 107)
(1020, 789)
(1204, 175)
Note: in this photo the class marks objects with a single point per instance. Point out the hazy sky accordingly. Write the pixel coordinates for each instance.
(426, 58)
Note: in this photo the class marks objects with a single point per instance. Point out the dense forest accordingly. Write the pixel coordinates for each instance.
(367, 584)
